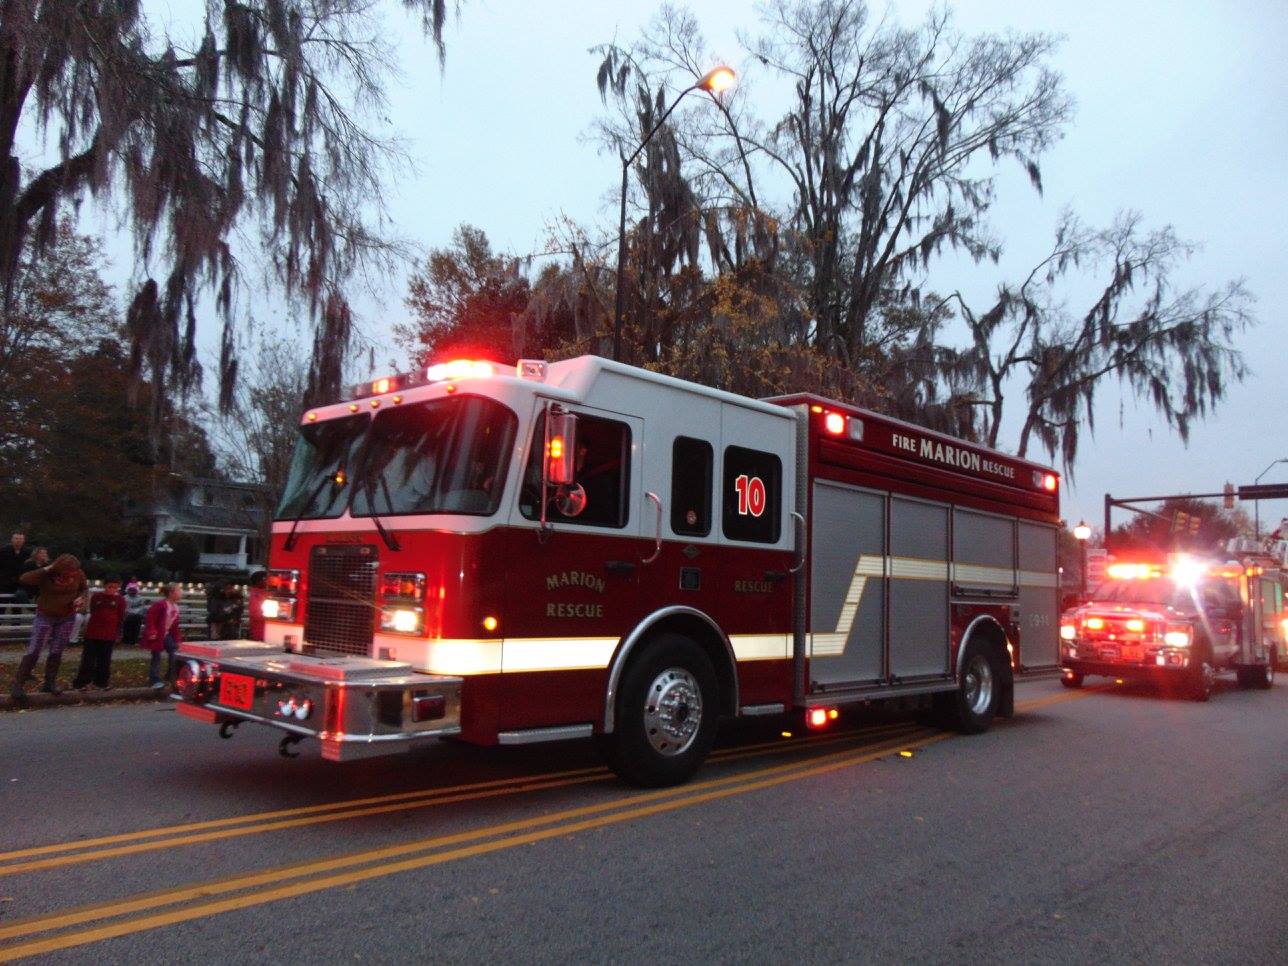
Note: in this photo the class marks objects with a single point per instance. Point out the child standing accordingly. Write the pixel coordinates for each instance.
(102, 630)
(161, 633)
(136, 606)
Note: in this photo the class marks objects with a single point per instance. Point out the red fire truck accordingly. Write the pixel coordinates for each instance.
(586, 548)
(1180, 622)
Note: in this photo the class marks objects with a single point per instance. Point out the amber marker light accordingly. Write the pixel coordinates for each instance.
(718, 80)
(490, 623)
(375, 404)
(353, 407)
(313, 417)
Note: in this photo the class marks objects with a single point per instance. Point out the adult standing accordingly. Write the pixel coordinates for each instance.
(13, 558)
(60, 590)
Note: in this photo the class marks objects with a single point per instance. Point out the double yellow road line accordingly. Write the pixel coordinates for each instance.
(201, 900)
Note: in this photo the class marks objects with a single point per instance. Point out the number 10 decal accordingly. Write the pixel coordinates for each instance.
(751, 495)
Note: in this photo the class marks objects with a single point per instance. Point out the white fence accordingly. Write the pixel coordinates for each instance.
(16, 618)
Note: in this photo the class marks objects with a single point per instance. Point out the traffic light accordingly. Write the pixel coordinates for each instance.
(1180, 522)
(1228, 500)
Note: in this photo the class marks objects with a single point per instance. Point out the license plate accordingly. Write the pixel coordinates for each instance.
(237, 691)
(1109, 653)
(1132, 654)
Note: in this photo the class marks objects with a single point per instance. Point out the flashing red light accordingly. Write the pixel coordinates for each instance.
(381, 386)
(1049, 482)
(834, 423)
(460, 369)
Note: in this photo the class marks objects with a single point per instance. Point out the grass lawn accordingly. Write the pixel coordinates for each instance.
(129, 673)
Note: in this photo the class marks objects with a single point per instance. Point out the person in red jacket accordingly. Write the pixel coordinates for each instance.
(161, 633)
(102, 631)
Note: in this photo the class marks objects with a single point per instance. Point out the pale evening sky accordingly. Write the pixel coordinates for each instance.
(1181, 114)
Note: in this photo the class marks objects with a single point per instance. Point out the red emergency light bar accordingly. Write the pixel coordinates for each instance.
(453, 371)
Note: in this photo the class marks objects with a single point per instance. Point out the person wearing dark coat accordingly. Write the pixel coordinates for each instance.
(13, 559)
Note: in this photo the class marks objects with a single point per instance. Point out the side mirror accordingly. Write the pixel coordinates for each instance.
(561, 448)
(570, 500)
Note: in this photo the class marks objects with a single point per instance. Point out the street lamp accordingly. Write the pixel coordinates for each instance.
(1082, 533)
(1256, 504)
(714, 82)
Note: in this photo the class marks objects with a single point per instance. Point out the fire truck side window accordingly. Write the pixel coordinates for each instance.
(752, 495)
(603, 469)
(691, 462)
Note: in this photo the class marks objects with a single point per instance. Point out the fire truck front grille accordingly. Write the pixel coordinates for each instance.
(340, 604)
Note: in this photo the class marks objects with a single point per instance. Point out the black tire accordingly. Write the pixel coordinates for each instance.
(971, 708)
(1202, 680)
(1259, 677)
(655, 746)
(1072, 679)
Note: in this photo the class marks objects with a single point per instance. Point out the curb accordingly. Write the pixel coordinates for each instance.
(38, 699)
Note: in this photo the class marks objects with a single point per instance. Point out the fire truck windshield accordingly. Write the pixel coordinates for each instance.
(1207, 594)
(324, 453)
(442, 456)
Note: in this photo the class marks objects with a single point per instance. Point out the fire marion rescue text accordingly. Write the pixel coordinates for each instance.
(574, 578)
(950, 455)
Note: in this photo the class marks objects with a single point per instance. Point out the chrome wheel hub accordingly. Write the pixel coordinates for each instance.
(977, 684)
(673, 711)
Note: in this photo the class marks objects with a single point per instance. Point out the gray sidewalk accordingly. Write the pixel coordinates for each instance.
(11, 653)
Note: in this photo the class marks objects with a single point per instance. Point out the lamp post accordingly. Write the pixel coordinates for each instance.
(1256, 505)
(1082, 533)
(713, 82)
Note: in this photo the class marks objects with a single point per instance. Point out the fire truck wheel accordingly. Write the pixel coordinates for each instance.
(970, 709)
(1071, 679)
(667, 711)
(1261, 677)
(1202, 681)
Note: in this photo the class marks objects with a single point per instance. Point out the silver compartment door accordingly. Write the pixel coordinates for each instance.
(919, 631)
(1039, 596)
(847, 586)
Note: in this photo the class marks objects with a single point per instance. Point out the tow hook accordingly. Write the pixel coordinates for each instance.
(227, 728)
(284, 749)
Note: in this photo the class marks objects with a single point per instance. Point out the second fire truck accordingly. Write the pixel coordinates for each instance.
(581, 548)
(1180, 622)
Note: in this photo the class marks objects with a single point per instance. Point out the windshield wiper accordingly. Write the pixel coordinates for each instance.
(289, 542)
(370, 488)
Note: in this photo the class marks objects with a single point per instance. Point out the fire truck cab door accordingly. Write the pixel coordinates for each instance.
(577, 585)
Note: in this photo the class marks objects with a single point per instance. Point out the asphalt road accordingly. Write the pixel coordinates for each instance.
(1113, 825)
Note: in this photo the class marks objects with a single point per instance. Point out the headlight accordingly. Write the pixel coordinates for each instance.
(1177, 637)
(402, 620)
(283, 582)
(1068, 632)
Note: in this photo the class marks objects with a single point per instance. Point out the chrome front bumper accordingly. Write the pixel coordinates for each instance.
(357, 707)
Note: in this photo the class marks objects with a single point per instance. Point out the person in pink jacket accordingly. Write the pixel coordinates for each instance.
(161, 633)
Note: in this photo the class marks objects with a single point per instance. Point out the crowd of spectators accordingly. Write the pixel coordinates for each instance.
(116, 614)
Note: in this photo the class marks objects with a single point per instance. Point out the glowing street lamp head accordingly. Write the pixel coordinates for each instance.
(1082, 531)
(718, 80)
